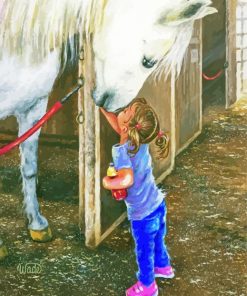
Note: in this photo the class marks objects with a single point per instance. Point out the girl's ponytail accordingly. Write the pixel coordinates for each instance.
(134, 139)
(162, 141)
(144, 128)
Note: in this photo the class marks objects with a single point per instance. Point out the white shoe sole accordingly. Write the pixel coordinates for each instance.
(157, 275)
(156, 293)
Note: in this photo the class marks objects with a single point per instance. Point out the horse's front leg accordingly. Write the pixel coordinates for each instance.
(38, 224)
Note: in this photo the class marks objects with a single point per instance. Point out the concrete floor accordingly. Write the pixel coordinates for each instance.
(206, 222)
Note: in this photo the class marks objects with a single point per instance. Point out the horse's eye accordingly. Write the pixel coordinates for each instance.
(148, 63)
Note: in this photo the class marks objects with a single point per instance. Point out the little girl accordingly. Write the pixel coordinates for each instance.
(137, 126)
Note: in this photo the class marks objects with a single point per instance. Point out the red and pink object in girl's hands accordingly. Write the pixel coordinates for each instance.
(118, 194)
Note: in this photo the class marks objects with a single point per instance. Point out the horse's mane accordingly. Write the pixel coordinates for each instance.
(36, 27)
(172, 62)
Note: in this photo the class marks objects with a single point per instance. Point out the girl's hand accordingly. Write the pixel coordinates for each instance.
(123, 180)
(112, 119)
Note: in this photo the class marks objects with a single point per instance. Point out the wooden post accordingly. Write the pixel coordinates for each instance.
(231, 80)
(90, 182)
(81, 147)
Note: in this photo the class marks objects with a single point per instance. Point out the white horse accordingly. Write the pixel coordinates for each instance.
(131, 40)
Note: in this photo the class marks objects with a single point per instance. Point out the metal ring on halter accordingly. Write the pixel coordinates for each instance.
(80, 118)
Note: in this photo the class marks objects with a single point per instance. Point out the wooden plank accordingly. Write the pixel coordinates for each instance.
(189, 94)
(112, 227)
(172, 155)
(231, 80)
(159, 95)
(91, 150)
(110, 209)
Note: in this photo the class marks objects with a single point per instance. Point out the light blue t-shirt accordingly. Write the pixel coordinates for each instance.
(144, 196)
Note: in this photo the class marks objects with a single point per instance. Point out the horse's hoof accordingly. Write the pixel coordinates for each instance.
(42, 236)
(3, 252)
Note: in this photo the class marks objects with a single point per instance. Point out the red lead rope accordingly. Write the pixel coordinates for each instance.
(55, 108)
(211, 78)
(217, 75)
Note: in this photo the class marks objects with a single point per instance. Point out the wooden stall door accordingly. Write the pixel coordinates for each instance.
(188, 94)
(160, 95)
(99, 213)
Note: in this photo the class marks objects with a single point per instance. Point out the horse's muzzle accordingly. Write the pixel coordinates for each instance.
(104, 99)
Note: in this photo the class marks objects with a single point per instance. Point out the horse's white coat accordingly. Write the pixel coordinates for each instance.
(23, 84)
(125, 31)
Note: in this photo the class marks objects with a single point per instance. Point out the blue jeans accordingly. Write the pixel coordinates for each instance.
(150, 249)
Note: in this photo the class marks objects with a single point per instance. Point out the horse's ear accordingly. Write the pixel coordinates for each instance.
(189, 11)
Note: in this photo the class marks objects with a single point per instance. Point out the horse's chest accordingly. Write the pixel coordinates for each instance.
(22, 85)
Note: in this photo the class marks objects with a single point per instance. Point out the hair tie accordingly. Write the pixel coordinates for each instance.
(160, 134)
(138, 126)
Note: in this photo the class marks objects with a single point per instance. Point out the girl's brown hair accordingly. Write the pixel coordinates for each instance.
(144, 127)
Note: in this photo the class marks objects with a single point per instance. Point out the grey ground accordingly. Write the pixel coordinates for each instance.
(206, 222)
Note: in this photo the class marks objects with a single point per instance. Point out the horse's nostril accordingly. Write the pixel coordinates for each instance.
(106, 96)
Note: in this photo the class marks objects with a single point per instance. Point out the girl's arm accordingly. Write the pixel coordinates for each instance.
(123, 180)
(112, 119)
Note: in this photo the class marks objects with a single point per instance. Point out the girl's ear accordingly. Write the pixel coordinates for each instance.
(187, 11)
(124, 129)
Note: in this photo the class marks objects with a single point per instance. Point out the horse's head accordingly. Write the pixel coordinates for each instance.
(135, 39)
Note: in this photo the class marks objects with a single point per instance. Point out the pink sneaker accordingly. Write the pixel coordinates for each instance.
(164, 272)
(138, 289)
